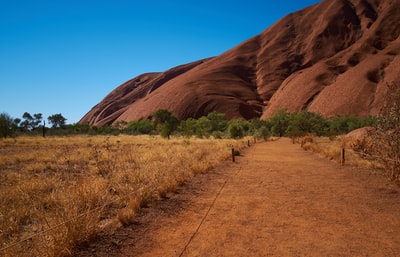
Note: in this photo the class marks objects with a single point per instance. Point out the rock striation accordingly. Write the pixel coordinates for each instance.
(335, 58)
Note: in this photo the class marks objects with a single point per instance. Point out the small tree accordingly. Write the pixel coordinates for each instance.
(345, 124)
(189, 127)
(280, 122)
(27, 120)
(144, 126)
(37, 120)
(31, 122)
(306, 122)
(258, 128)
(387, 137)
(204, 127)
(7, 125)
(218, 121)
(56, 120)
(384, 145)
(167, 122)
(236, 128)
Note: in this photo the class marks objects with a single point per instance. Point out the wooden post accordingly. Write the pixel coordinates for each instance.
(342, 156)
(44, 129)
(248, 143)
(233, 154)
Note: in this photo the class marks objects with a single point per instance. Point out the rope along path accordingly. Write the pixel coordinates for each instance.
(207, 213)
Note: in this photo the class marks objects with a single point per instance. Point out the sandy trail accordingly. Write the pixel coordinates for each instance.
(275, 200)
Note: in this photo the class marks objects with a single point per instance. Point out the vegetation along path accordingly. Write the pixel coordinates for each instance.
(275, 200)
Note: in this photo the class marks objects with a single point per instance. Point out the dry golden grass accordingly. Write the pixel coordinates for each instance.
(60, 189)
(331, 148)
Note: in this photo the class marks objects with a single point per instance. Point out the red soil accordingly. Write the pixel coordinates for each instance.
(276, 200)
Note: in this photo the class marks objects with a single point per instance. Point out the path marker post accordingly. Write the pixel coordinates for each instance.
(44, 129)
(342, 156)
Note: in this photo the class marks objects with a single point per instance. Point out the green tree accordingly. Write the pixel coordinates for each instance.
(294, 131)
(7, 125)
(258, 128)
(143, 126)
(237, 128)
(31, 122)
(37, 119)
(305, 122)
(204, 127)
(214, 124)
(17, 121)
(280, 122)
(218, 122)
(339, 124)
(26, 122)
(57, 120)
(188, 127)
(167, 122)
(344, 124)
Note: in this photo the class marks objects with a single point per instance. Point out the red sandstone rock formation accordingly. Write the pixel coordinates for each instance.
(334, 58)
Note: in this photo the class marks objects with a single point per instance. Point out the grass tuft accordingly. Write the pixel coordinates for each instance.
(329, 147)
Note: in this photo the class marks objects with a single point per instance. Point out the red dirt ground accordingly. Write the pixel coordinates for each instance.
(275, 200)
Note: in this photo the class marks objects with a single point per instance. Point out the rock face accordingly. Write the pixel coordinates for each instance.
(334, 58)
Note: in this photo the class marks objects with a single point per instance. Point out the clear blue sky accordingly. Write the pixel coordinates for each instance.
(64, 56)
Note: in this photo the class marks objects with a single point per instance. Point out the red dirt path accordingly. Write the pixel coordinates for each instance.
(275, 200)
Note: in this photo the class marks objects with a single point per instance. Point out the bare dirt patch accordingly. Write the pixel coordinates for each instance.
(276, 200)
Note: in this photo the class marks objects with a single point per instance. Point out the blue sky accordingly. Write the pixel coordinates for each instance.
(64, 56)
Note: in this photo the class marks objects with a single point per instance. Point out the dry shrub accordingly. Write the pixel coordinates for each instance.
(126, 215)
(330, 148)
(358, 137)
(306, 139)
(383, 145)
(60, 189)
(323, 147)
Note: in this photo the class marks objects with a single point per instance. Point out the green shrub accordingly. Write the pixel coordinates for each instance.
(236, 128)
(7, 125)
